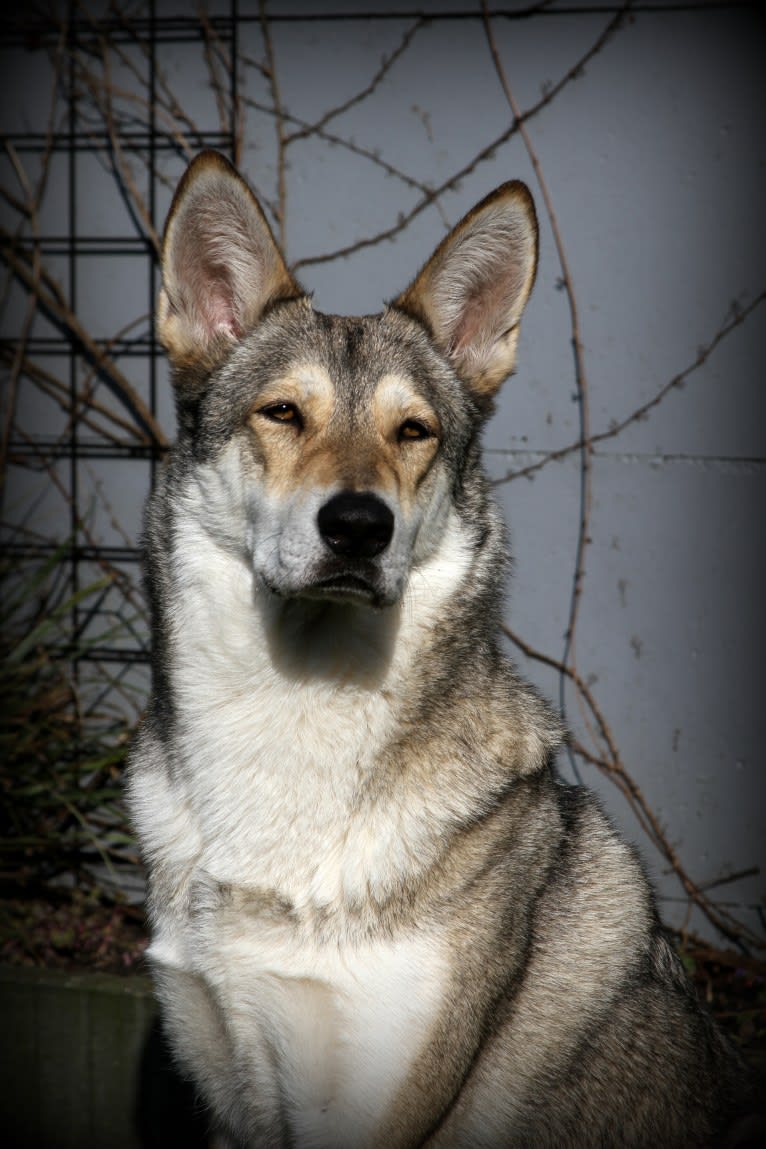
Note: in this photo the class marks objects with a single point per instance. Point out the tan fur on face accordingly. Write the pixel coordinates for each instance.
(337, 449)
(291, 455)
(396, 401)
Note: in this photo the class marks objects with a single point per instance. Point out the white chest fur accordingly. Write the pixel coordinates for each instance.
(331, 1031)
(273, 750)
(281, 723)
(272, 762)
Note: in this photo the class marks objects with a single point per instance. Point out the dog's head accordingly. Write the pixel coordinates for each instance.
(331, 449)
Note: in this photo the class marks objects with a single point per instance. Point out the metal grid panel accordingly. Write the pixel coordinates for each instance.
(103, 143)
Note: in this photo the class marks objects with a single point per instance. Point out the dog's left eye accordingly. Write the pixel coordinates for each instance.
(414, 429)
(283, 413)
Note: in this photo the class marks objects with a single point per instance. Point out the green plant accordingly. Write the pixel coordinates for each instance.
(63, 733)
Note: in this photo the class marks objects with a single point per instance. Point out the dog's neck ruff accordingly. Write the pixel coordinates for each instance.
(290, 705)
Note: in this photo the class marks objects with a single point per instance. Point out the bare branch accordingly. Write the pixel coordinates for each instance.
(612, 766)
(279, 125)
(485, 153)
(737, 317)
(387, 63)
(52, 298)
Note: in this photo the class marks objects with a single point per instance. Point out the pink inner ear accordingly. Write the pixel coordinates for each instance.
(218, 312)
(468, 326)
(488, 309)
(206, 291)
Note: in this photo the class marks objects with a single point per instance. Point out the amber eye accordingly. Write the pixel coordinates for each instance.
(283, 413)
(414, 429)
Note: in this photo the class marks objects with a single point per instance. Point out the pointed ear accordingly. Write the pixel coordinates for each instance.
(220, 266)
(472, 291)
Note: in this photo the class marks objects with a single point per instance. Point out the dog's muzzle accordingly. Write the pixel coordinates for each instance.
(355, 528)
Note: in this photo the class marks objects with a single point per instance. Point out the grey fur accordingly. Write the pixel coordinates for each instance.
(556, 1012)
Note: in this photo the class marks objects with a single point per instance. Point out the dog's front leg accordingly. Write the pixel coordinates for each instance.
(241, 1092)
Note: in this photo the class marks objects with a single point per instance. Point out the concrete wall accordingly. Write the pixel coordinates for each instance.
(71, 1055)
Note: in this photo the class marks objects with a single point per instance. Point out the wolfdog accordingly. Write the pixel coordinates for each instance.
(378, 917)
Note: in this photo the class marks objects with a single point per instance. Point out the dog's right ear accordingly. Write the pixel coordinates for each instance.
(220, 267)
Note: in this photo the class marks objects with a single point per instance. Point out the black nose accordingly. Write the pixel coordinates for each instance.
(356, 525)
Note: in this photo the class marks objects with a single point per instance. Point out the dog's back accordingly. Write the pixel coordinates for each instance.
(378, 919)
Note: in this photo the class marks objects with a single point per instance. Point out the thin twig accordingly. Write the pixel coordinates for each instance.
(228, 61)
(581, 378)
(31, 204)
(279, 126)
(59, 392)
(484, 154)
(122, 170)
(29, 314)
(167, 107)
(52, 298)
(738, 317)
(85, 398)
(214, 60)
(351, 146)
(613, 767)
(387, 63)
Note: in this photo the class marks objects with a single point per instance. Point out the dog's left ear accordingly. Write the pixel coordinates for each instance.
(472, 291)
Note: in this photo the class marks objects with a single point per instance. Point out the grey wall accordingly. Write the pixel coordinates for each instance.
(653, 158)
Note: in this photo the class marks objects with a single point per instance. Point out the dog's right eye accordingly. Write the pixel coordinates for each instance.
(283, 413)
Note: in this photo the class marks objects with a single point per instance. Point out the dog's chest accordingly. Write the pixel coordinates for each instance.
(338, 1027)
(272, 833)
(271, 764)
(275, 789)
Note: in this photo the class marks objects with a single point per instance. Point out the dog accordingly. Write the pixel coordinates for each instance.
(378, 917)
